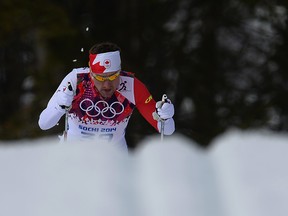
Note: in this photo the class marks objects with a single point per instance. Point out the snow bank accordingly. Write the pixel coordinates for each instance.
(251, 172)
(243, 173)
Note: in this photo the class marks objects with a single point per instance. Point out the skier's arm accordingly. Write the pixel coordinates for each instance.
(55, 109)
(146, 106)
(49, 116)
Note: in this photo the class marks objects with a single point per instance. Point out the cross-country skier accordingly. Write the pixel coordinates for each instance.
(101, 98)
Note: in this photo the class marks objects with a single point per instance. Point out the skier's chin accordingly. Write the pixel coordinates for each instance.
(107, 93)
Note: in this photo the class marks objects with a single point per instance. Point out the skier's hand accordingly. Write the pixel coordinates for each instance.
(65, 96)
(164, 109)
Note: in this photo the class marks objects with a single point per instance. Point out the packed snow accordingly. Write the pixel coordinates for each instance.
(242, 173)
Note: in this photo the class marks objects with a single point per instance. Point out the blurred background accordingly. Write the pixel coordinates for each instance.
(222, 63)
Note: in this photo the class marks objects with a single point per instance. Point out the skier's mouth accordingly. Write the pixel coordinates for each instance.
(107, 92)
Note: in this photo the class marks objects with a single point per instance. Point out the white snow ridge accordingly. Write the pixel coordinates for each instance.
(242, 173)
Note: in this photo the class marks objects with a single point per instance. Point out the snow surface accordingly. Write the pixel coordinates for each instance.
(242, 173)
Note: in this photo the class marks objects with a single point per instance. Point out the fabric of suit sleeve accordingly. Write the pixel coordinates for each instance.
(51, 115)
(144, 102)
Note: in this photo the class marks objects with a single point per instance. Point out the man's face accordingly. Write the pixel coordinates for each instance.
(106, 83)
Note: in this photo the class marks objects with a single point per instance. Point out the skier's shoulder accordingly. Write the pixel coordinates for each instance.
(82, 70)
(130, 77)
(127, 74)
(76, 72)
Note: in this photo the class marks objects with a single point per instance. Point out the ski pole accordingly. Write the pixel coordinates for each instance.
(66, 115)
(66, 123)
(164, 99)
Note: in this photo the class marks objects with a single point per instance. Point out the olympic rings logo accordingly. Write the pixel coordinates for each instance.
(108, 111)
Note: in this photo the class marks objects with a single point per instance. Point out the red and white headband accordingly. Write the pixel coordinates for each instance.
(105, 62)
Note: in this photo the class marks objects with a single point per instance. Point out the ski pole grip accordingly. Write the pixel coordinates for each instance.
(164, 98)
(70, 86)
